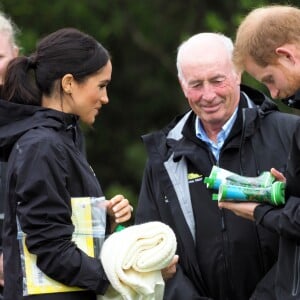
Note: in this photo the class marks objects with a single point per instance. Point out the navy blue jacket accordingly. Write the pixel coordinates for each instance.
(283, 281)
(221, 256)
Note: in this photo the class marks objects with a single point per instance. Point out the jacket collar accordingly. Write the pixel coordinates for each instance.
(293, 101)
(17, 119)
(253, 105)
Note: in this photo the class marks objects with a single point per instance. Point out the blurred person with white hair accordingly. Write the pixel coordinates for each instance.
(8, 46)
(8, 51)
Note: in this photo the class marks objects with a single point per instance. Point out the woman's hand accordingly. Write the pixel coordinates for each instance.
(119, 210)
(169, 271)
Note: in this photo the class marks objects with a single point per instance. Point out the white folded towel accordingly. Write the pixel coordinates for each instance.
(133, 259)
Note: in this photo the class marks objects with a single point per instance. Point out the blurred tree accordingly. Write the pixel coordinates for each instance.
(142, 37)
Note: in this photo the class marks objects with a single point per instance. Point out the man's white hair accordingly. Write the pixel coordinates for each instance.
(228, 44)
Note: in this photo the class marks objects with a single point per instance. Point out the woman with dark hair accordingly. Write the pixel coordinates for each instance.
(45, 96)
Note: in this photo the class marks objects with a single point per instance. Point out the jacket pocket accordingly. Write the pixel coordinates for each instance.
(296, 269)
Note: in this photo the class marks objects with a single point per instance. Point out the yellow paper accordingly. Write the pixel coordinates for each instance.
(37, 281)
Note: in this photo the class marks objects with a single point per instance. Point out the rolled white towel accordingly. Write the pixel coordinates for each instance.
(133, 259)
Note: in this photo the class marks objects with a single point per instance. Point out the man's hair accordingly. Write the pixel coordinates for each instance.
(8, 26)
(262, 31)
(228, 45)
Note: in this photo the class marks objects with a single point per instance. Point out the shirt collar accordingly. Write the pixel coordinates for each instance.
(226, 128)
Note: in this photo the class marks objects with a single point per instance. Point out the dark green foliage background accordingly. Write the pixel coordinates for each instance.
(142, 37)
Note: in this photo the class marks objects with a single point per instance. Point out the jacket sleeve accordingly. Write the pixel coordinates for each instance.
(266, 288)
(148, 209)
(44, 212)
(268, 216)
(289, 224)
(2, 192)
(180, 287)
(286, 220)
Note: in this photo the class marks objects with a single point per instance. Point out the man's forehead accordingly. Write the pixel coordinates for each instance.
(254, 69)
(204, 61)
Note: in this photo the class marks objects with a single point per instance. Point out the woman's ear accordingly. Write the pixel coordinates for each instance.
(67, 83)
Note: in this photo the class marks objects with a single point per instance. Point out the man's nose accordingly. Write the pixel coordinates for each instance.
(208, 92)
(274, 92)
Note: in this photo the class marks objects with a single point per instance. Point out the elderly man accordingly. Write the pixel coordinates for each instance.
(268, 48)
(221, 256)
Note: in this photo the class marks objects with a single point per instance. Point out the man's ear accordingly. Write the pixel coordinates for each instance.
(67, 83)
(182, 84)
(15, 51)
(238, 76)
(286, 54)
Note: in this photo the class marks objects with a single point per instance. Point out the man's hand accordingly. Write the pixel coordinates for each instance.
(1, 270)
(246, 209)
(242, 209)
(278, 175)
(170, 270)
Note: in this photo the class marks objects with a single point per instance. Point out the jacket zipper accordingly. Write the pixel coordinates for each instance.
(296, 268)
(229, 286)
(225, 247)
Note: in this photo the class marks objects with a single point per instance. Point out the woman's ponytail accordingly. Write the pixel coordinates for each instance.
(20, 83)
